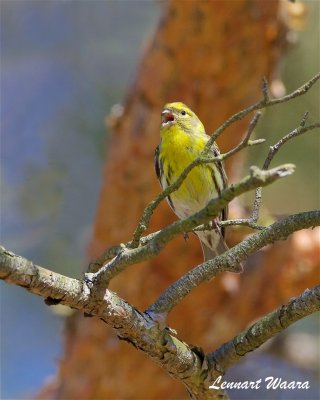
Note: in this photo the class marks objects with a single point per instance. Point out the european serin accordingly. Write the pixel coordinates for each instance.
(183, 138)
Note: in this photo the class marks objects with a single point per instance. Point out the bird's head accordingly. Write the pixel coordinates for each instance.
(178, 114)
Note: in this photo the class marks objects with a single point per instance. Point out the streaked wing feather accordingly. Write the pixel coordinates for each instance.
(159, 171)
(157, 163)
(224, 212)
(216, 153)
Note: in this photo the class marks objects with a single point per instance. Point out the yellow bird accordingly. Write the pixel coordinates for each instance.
(183, 138)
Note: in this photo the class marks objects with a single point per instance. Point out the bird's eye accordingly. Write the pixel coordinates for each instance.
(183, 112)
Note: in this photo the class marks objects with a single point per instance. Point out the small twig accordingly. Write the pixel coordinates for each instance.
(256, 205)
(264, 103)
(245, 142)
(243, 222)
(296, 132)
(265, 89)
(304, 118)
(107, 255)
(268, 326)
(271, 154)
(231, 222)
(253, 219)
(174, 294)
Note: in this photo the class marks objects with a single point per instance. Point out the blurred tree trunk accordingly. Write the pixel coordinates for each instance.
(211, 55)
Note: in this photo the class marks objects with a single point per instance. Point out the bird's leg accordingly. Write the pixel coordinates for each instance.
(216, 225)
(185, 236)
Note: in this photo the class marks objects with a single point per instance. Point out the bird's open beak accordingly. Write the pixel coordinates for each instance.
(167, 116)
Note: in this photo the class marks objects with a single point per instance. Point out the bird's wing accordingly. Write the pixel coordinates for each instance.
(216, 153)
(157, 163)
(219, 165)
(159, 171)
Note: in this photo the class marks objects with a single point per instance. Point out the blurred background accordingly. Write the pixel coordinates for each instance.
(63, 66)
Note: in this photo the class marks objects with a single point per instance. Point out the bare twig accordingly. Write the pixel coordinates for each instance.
(245, 142)
(268, 326)
(242, 222)
(264, 103)
(256, 206)
(265, 89)
(253, 219)
(180, 360)
(272, 152)
(296, 132)
(206, 271)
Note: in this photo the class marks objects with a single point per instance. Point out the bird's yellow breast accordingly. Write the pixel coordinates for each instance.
(177, 150)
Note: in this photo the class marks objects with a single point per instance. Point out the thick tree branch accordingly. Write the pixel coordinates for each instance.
(268, 326)
(182, 287)
(180, 360)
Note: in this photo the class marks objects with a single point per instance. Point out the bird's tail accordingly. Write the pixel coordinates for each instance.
(210, 252)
